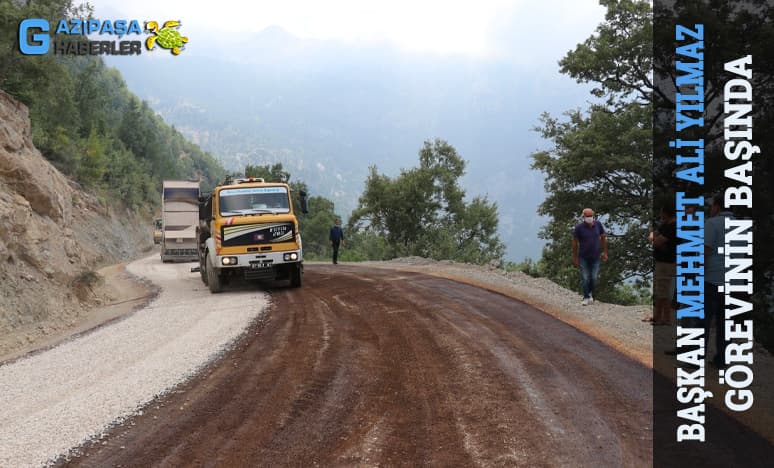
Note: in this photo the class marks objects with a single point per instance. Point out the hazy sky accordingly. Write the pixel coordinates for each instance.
(522, 30)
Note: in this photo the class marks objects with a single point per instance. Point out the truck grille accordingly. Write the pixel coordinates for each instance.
(182, 252)
(259, 274)
(256, 233)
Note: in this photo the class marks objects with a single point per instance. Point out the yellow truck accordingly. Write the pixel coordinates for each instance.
(248, 228)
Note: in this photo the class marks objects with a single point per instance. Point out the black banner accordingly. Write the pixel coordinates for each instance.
(713, 382)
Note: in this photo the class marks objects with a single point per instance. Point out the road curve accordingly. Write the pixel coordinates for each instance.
(380, 367)
(54, 399)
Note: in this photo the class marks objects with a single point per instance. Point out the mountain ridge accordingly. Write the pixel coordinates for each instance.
(327, 111)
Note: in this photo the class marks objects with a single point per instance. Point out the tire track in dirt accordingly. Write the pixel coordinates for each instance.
(376, 367)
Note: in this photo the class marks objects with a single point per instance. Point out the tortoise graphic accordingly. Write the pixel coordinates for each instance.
(167, 37)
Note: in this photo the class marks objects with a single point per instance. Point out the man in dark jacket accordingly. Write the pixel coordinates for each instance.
(336, 238)
(664, 242)
(588, 242)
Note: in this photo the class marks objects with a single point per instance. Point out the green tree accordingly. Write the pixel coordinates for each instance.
(91, 167)
(602, 158)
(732, 30)
(87, 123)
(364, 245)
(315, 227)
(91, 97)
(273, 173)
(423, 212)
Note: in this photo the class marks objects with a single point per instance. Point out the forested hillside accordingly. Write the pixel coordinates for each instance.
(328, 110)
(88, 124)
(92, 128)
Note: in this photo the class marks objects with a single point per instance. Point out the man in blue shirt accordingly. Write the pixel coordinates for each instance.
(714, 276)
(588, 240)
(336, 238)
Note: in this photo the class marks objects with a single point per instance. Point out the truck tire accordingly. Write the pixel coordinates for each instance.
(295, 277)
(203, 272)
(213, 279)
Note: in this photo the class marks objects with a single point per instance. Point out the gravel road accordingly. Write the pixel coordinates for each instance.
(365, 365)
(383, 368)
(58, 399)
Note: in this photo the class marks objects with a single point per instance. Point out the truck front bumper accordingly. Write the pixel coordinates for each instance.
(258, 260)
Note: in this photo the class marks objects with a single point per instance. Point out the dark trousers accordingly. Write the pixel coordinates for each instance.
(335, 252)
(714, 310)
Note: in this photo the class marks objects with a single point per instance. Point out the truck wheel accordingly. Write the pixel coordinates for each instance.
(213, 279)
(203, 272)
(295, 277)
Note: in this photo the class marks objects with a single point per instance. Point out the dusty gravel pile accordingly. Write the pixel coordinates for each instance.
(60, 398)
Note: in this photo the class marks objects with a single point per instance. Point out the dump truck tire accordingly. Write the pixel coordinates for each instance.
(213, 279)
(295, 277)
(203, 272)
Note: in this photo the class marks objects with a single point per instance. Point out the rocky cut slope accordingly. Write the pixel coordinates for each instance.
(52, 237)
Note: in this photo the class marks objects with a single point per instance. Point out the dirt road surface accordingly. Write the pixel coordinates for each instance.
(373, 367)
(55, 399)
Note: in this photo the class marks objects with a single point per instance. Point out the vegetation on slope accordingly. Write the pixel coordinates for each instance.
(88, 124)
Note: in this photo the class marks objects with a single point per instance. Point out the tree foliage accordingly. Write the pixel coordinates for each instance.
(602, 158)
(87, 123)
(423, 211)
(273, 173)
(733, 30)
(618, 58)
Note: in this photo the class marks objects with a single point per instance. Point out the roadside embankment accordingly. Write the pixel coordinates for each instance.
(53, 238)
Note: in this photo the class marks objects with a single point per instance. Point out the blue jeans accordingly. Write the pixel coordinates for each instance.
(589, 268)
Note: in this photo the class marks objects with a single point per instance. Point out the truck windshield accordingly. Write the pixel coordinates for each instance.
(254, 200)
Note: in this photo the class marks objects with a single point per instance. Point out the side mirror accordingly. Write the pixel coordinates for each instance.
(205, 208)
(304, 203)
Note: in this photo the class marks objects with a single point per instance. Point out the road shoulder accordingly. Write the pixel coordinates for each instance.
(620, 327)
(113, 297)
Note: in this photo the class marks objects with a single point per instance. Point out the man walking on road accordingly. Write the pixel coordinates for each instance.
(336, 238)
(588, 240)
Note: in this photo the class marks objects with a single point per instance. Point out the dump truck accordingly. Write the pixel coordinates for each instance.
(248, 229)
(180, 218)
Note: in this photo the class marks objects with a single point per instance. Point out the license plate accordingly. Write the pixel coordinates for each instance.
(258, 266)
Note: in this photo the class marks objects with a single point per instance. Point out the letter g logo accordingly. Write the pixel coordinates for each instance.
(39, 43)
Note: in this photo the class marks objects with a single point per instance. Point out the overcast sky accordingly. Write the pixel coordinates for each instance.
(525, 31)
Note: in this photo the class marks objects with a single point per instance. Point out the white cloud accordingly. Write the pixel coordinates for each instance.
(507, 28)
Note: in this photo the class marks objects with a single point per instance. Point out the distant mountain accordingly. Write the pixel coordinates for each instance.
(328, 110)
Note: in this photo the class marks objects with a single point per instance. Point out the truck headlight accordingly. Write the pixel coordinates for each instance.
(289, 257)
(229, 260)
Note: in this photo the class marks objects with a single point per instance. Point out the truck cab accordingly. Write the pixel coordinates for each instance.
(248, 228)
